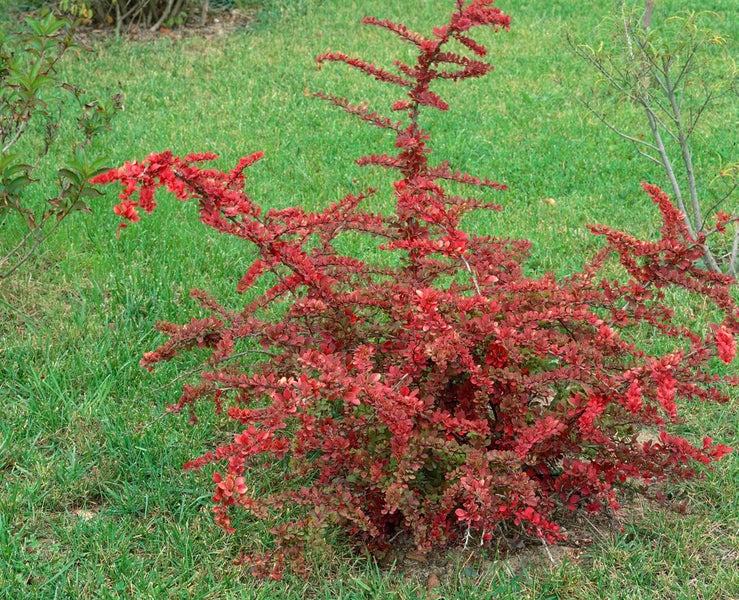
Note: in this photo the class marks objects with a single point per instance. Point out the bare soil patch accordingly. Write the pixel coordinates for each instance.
(510, 553)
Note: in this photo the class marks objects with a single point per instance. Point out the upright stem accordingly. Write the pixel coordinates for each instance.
(646, 20)
(171, 10)
(734, 254)
(685, 150)
(204, 13)
(667, 165)
(682, 139)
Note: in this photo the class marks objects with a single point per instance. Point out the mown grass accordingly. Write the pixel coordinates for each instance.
(92, 505)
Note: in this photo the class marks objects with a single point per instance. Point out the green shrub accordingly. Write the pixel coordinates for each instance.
(150, 14)
(33, 107)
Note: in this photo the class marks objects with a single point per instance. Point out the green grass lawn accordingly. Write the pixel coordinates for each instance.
(93, 505)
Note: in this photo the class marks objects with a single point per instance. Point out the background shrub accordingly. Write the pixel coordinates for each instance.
(150, 14)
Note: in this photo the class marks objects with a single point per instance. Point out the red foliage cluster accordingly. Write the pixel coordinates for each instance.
(451, 392)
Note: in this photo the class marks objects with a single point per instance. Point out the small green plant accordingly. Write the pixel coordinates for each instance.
(667, 72)
(33, 107)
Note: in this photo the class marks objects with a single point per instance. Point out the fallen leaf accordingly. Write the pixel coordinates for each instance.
(432, 585)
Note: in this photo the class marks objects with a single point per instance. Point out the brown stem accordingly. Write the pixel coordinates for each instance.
(646, 20)
(734, 253)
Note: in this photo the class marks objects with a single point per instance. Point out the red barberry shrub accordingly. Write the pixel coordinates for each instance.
(444, 392)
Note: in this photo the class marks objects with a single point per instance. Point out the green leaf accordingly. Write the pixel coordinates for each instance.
(73, 175)
(14, 187)
(91, 192)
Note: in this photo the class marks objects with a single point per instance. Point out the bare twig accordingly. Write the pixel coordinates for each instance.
(173, 7)
(646, 20)
(16, 136)
(547, 550)
(595, 529)
(467, 536)
(204, 13)
(472, 275)
(734, 253)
